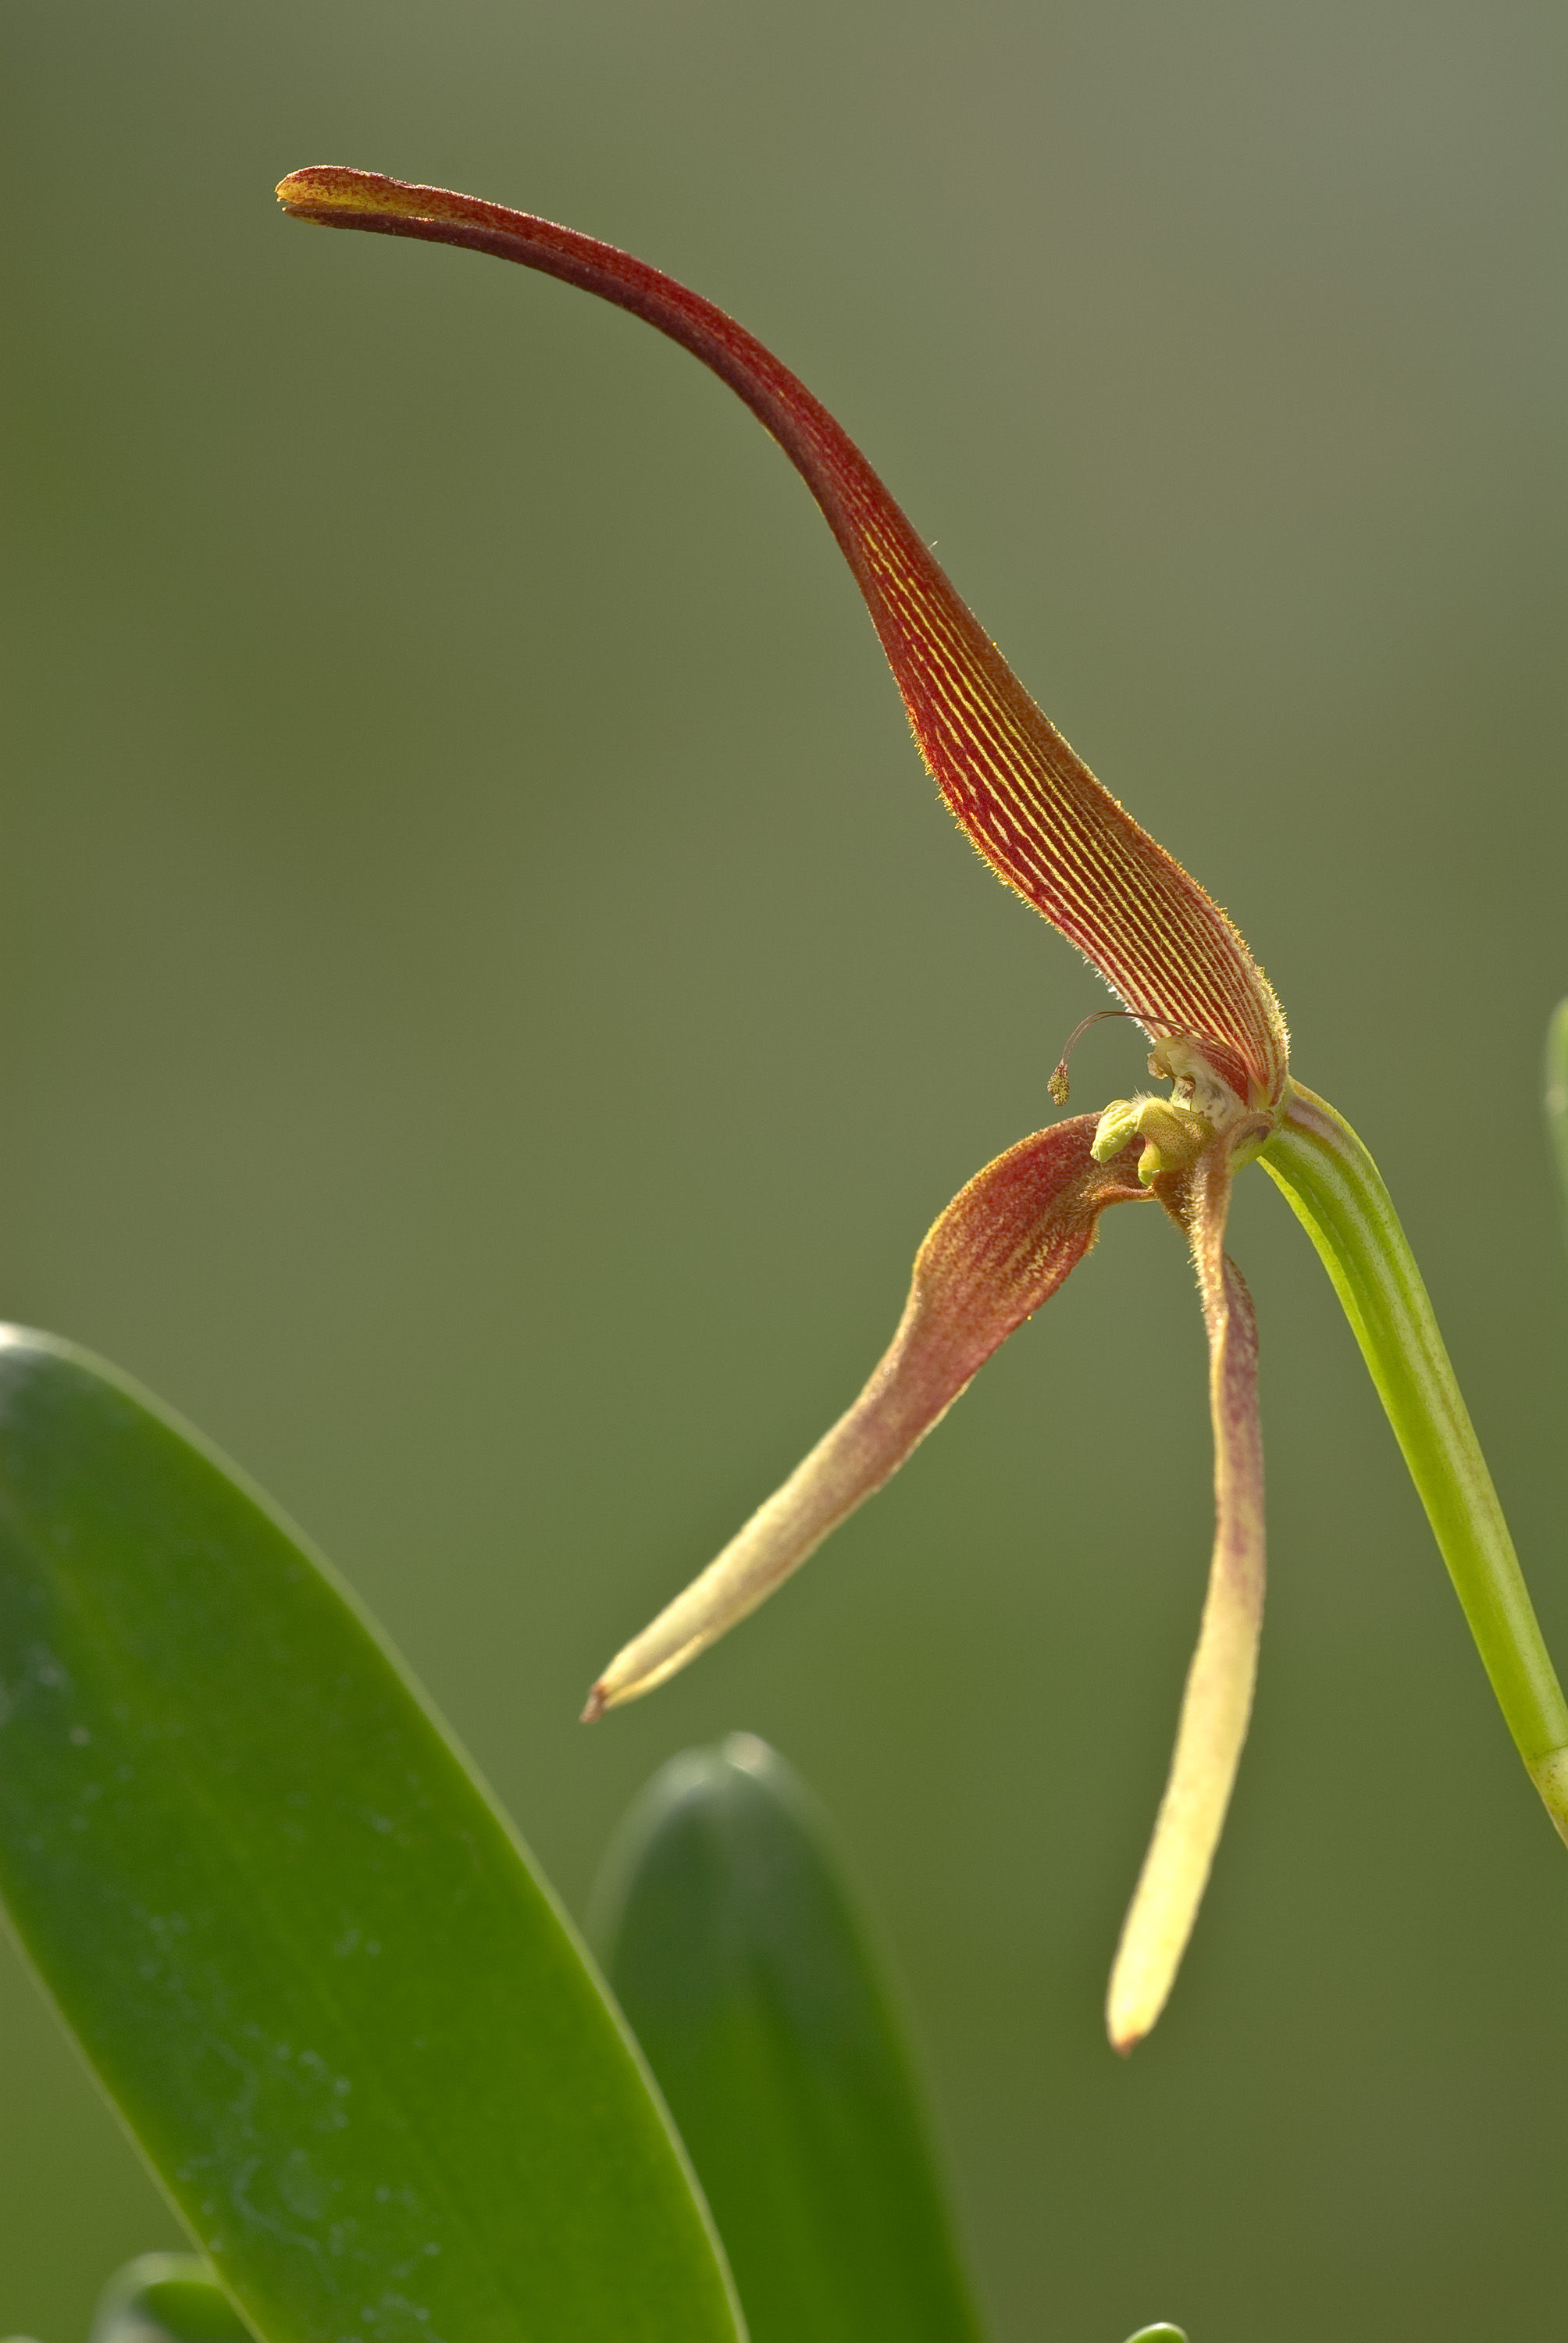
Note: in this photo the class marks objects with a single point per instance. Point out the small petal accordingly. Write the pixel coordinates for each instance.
(1030, 806)
(1218, 1700)
(1001, 1248)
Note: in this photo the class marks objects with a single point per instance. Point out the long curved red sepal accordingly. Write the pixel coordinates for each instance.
(1032, 807)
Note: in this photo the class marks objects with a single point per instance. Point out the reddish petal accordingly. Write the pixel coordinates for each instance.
(1032, 807)
(1001, 1248)
(1217, 1699)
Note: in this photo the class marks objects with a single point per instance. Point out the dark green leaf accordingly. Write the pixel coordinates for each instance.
(737, 1955)
(301, 1947)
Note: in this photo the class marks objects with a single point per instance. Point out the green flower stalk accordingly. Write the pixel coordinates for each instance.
(1336, 1191)
(1556, 1100)
(1173, 959)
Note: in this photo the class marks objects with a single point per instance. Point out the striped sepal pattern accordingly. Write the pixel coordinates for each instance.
(997, 1254)
(1034, 809)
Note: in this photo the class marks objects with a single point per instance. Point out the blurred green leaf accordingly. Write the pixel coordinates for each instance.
(1160, 2333)
(737, 1954)
(301, 1947)
(1556, 1097)
(167, 2298)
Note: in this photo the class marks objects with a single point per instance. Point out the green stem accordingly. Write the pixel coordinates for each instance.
(1556, 1100)
(1336, 1192)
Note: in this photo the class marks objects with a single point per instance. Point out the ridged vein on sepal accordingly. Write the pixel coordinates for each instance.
(1029, 804)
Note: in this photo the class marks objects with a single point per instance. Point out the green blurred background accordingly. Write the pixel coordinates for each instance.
(491, 1003)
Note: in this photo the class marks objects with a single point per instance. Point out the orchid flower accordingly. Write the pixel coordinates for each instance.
(1172, 959)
